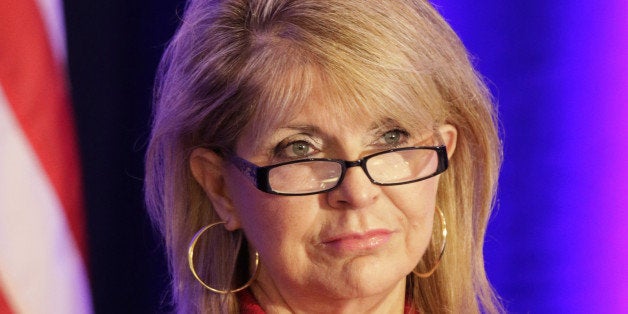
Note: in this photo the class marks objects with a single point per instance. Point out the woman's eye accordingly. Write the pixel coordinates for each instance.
(394, 137)
(299, 149)
(295, 150)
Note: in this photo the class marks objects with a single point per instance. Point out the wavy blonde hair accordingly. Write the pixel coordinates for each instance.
(236, 64)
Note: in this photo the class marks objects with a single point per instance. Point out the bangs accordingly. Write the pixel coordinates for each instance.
(286, 79)
(357, 70)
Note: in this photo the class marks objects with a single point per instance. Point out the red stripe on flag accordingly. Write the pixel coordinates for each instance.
(4, 306)
(35, 86)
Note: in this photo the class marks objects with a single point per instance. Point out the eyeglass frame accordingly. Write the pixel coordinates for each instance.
(259, 175)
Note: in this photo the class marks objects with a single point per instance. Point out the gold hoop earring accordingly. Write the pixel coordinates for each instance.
(443, 223)
(191, 263)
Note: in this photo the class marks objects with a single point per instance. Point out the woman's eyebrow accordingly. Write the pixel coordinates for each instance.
(308, 128)
(316, 130)
(384, 123)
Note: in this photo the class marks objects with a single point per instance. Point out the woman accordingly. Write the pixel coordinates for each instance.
(316, 157)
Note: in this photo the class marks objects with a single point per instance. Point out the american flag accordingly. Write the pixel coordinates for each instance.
(42, 239)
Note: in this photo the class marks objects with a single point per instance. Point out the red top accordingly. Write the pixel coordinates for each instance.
(249, 305)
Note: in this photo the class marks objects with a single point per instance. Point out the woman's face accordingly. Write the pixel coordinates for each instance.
(357, 241)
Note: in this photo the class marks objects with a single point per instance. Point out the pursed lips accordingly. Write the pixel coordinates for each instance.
(357, 241)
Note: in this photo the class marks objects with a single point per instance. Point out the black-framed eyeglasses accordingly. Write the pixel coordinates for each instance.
(317, 175)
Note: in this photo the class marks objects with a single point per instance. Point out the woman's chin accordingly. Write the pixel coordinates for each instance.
(362, 279)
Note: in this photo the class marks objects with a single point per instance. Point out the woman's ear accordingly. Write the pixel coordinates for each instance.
(208, 169)
(449, 134)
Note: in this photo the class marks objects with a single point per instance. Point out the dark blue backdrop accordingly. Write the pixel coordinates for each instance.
(558, 241)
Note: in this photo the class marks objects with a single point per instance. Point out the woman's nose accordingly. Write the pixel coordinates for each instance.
(355, 191)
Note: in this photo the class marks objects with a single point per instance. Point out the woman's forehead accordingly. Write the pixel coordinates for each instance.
(328, 96)
(325, 115)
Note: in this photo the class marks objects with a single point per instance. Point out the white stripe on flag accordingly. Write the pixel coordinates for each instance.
(52, 15)
(41, 268)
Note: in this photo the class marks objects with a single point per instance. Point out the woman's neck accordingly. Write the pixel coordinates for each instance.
(274, 301)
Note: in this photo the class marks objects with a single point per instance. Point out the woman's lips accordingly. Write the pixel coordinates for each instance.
(355, 242)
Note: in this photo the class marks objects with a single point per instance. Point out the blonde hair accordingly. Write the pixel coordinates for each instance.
(238, 64)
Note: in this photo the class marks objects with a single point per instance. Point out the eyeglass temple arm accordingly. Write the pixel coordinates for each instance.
(258, 175)
(443, 163)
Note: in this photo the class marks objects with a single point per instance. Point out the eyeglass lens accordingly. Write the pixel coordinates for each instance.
(402, 166)
(305, 177)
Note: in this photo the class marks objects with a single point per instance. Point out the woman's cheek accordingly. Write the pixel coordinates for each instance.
(277, 221)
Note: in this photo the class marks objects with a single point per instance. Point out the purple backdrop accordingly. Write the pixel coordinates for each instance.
(558, 241)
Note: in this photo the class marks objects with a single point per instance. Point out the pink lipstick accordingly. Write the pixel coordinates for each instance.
(355, 242)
